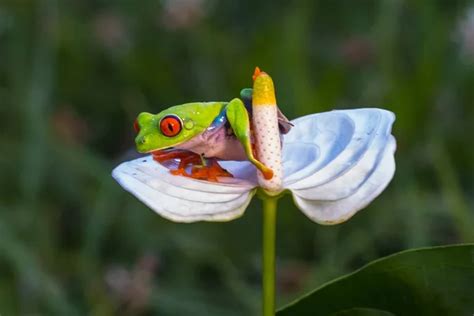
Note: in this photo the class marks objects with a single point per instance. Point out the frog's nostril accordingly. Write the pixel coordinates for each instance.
(140, 140)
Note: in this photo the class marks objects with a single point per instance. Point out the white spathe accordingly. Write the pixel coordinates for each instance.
(335, 163)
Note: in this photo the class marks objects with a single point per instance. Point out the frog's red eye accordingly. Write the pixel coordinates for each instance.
(136, 127)
(170, 125)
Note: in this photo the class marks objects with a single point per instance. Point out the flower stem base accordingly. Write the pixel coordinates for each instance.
(269, 238)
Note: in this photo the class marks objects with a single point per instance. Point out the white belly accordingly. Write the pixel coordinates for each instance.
(216, 144)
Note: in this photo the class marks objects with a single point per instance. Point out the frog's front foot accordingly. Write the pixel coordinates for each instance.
(185, 158)
(201, 169)
(210, 172)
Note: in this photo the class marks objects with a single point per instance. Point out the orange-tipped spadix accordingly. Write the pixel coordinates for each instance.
(266, 130)
(263, 90)
(256, 72)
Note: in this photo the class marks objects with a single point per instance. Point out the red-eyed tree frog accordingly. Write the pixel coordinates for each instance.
(200, 134)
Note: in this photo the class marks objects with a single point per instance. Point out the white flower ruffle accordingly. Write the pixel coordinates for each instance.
(335, 163)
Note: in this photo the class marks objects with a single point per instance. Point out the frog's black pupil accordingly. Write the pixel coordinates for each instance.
(170, 126)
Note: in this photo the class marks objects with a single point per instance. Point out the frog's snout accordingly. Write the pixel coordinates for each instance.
(140, 142)
(142, 139)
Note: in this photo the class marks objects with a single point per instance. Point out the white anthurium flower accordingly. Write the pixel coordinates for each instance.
(334, 164)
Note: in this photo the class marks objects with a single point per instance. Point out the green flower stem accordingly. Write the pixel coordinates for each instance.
(269, 237)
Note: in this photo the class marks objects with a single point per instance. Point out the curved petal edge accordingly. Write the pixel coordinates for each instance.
(182, 199)
(336, 184)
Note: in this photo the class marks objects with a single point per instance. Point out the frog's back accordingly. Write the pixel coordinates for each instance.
(201, 113)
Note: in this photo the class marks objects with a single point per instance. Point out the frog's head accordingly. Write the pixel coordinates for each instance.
(172, 126)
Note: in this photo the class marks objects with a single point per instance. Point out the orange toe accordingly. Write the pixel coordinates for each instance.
(179, 172)
(268, 174)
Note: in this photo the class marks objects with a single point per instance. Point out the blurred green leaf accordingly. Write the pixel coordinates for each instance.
(362, 312)
(74, 74)
(426, 281)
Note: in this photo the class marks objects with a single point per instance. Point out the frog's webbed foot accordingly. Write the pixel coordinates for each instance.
(210, 171)
(185, 158)
(201, 168)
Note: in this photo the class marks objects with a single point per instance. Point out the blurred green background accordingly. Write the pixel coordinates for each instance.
(74, 74)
